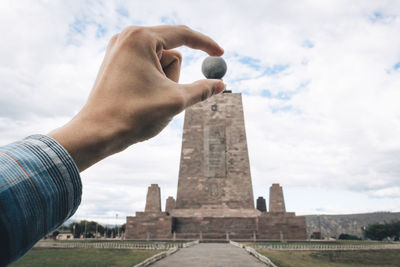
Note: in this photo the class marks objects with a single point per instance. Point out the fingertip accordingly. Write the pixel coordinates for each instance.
(219, 87)
(218, 51)
(222, 51)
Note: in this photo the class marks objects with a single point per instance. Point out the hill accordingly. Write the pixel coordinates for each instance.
(334, 225)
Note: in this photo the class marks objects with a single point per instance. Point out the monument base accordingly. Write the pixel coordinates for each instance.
(216, 224)
(149, 226)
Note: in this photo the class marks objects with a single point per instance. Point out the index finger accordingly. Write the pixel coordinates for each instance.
(174, 36)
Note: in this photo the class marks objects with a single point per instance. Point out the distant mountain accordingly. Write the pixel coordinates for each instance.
(334, 225)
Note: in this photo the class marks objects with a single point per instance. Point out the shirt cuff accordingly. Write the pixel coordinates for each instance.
(40, 188)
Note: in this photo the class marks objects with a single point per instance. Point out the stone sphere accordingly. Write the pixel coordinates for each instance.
(214, 67)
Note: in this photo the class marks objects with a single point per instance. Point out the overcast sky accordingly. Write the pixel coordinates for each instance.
(320, 82)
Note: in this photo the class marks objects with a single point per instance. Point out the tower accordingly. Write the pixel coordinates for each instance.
(153, 199)
(276, 201)
(214, 167)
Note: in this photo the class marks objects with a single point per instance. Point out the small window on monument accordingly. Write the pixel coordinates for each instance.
(214, 107)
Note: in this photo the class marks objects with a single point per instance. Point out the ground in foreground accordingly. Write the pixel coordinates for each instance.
(354, 258)
(49, 257)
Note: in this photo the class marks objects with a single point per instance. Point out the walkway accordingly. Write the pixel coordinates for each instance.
(210, 254)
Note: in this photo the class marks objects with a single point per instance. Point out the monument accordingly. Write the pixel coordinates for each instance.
(215, 196)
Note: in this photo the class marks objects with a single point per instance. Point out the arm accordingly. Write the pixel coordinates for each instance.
(134, 97)
(136, 92)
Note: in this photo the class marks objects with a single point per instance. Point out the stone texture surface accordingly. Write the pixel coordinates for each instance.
(214, 167)
(261, 204)
(214, 67)
(153, 199)
(170, 204)
(153, 225)
(276, 201)
(278, 226)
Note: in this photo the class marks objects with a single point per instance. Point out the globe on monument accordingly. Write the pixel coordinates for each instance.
(214, 67)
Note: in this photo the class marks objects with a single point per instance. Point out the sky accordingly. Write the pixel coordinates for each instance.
(320, 82)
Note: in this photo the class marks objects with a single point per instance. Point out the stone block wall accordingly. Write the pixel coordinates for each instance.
(149, 226)
(279, 226)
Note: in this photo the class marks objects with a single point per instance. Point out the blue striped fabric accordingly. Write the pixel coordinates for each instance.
(40, 188)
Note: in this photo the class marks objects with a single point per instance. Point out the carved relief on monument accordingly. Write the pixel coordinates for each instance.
(214, 151)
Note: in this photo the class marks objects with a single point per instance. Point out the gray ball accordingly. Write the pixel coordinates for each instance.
(214, 67)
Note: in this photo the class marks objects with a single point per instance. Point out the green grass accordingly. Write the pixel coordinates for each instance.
(49, 257)
(350, 258)
(318, 243)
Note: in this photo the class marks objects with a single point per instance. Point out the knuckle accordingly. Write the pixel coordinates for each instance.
(178, 56)
(177, 102)
(136, 33)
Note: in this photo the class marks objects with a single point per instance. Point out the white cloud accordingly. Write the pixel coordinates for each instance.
(329, 120)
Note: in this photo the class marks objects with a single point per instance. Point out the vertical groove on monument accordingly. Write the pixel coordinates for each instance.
(276, 200)
(214, 167)
(153, 199)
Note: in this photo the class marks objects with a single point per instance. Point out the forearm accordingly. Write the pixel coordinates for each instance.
(88, 141)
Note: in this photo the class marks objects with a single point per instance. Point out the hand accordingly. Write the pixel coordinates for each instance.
(136, 93)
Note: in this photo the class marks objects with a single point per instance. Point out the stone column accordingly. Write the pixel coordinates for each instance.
(261, 205)
(170, 204)
(153, 200)
(276, 201)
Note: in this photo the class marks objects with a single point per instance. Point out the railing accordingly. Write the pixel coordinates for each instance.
(253, 252)
(112, 245)
(324, 247)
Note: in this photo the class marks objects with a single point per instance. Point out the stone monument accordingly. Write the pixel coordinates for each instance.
(261, 204)
(215, 196)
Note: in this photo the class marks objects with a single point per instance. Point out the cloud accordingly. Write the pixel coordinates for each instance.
(319, 81)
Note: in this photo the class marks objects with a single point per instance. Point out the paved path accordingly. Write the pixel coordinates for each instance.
(209, 254)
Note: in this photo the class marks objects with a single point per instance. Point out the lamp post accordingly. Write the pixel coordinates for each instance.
(85, 230)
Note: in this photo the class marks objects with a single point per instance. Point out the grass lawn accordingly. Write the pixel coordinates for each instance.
(323, 243)
(353, 258)
(46, 257)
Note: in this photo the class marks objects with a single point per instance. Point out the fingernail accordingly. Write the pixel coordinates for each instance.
(219, 87)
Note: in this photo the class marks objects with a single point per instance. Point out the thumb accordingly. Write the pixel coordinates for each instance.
(201, 90)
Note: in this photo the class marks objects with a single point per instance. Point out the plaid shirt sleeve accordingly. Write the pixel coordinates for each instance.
(40, 188)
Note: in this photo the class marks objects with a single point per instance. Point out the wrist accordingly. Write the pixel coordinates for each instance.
(89, 141)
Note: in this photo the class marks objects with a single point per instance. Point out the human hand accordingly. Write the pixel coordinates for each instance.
(136, 92)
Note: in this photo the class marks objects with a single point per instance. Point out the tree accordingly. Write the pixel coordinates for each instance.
(86, 228)
(379, 231)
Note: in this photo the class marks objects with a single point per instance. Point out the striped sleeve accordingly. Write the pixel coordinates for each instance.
(40, 188)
